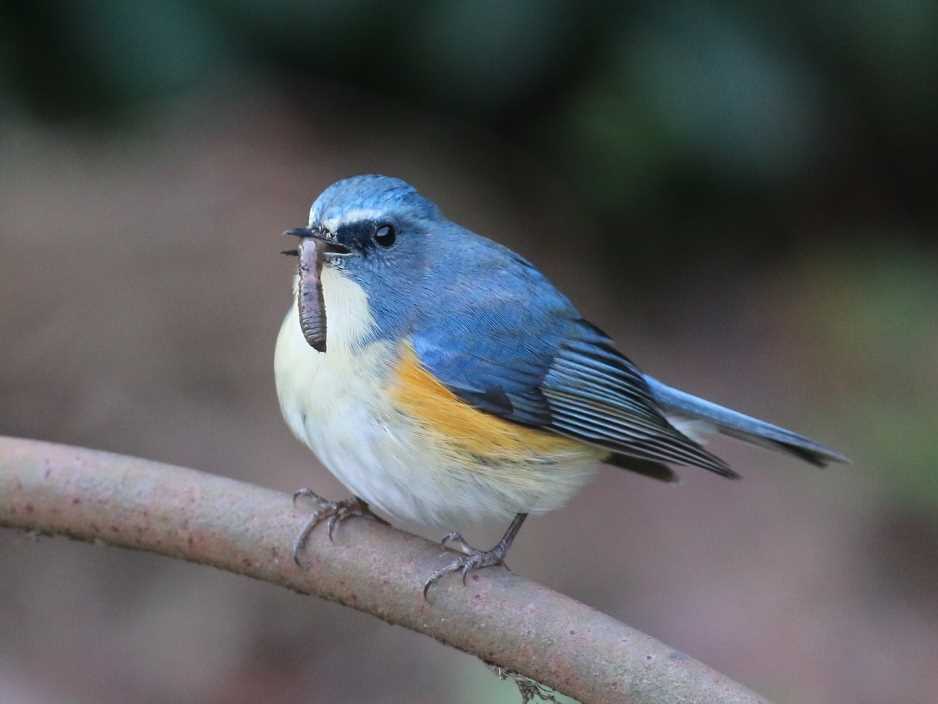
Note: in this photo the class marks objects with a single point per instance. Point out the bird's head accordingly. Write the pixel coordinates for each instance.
(371, 229)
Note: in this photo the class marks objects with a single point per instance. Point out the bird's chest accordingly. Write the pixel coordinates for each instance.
(337, 402)
(399, 439)
(331, 401)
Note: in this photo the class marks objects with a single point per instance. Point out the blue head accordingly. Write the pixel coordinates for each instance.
(369, 199)
(407, 260)
(375, 232)
(383, 222)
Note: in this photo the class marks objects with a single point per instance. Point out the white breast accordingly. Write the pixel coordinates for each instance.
(338, 404)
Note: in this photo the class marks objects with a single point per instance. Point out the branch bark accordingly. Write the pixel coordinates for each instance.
(500, 617)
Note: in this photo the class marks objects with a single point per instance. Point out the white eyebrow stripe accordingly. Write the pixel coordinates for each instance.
(354, 215)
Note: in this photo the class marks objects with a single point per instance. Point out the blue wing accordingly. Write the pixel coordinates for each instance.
(526, 355)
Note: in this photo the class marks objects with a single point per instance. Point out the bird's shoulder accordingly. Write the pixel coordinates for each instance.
(498, 332)
(476, 283)
(503, 339)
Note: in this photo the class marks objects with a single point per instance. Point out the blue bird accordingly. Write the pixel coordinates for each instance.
(442, 378)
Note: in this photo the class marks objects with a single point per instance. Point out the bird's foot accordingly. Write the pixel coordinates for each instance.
(472, 559)
(335, 511)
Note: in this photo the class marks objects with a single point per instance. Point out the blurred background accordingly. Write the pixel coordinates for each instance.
(743, 194)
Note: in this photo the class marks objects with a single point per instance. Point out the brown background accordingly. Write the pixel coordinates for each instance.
(141, 291)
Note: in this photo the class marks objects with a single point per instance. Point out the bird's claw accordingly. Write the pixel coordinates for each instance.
(471, 560)
(456, 537)
(335, 511)
(306, 493)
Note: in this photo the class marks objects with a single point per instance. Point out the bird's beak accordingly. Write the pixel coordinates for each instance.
(326, 245)
(310, 302)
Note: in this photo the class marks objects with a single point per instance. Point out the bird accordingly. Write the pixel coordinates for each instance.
(443, 379)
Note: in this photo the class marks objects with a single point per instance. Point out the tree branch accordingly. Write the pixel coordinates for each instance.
(500, 617)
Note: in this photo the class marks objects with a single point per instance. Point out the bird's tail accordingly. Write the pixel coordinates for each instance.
(684, 406)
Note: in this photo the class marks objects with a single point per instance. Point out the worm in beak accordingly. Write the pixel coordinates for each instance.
(312, 306)
(309, 297)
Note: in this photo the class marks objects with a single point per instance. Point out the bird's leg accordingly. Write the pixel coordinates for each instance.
(335, 511)
(473, 558)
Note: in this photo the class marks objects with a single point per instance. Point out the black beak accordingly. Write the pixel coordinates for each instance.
(329, 245)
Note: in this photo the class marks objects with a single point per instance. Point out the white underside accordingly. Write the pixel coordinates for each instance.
(337, 403)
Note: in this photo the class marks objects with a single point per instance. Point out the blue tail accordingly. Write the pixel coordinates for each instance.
(751, 430)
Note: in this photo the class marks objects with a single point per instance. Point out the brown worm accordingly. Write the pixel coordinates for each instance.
(310, 300)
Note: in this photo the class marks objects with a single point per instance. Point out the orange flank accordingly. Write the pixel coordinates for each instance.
(442, 414)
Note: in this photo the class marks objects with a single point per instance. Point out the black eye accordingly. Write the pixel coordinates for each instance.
(385, 235)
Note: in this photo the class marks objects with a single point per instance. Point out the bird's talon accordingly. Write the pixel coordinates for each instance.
(335, 511)
(333, 522)
(461, 544)
(426, 587)
(455, 537)
(306, 493)
(473, 559)
(465, 571)
(465, 565)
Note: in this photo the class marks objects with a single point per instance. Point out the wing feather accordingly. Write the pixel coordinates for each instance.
(507, 342)
(577, 385)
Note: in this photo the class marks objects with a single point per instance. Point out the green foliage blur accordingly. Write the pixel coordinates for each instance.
(730, 107)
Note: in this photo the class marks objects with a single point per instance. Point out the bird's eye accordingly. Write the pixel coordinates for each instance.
(385, 235)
